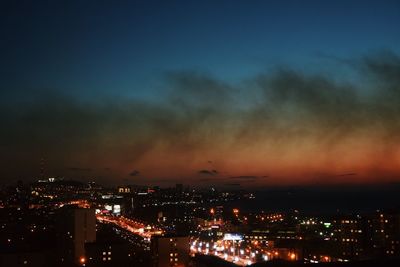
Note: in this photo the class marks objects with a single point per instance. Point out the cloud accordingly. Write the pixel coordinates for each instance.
(209, 179)
(244, 177)
(208, 172)
(232, 184)
(347, 174)
(78, 169)
(134, 173)
(286, 121)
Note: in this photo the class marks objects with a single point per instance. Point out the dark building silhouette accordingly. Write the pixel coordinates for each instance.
(170, 251)
(75, 227)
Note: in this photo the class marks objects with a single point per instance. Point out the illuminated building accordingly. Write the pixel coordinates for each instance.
(107, 254)
(124, 189)
(383, 234)
(170, 251)
(348, 234)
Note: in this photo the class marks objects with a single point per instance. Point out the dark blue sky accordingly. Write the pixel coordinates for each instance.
(125, 47)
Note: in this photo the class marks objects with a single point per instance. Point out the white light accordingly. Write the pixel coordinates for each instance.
(117, 209)
(233, 237)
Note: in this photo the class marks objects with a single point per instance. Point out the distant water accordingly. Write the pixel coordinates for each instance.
(324, 200)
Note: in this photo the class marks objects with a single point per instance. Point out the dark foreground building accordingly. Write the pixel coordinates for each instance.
(170, 251)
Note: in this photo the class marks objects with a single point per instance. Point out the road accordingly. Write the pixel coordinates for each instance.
(228, 251)
(130, 225)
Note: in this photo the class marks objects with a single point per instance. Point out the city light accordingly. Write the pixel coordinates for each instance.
(200, 133)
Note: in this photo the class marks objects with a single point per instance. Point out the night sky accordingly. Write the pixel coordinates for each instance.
(201, 92)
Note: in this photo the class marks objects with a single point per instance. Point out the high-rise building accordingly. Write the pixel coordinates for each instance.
(348, 234)
(383, 234)
(170, 251)
(101, 254)
(75, 227)
(179, 188)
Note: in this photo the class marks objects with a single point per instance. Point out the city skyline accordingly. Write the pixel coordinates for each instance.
(261, 94)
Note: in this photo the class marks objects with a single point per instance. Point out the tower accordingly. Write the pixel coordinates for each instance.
(42, 168)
